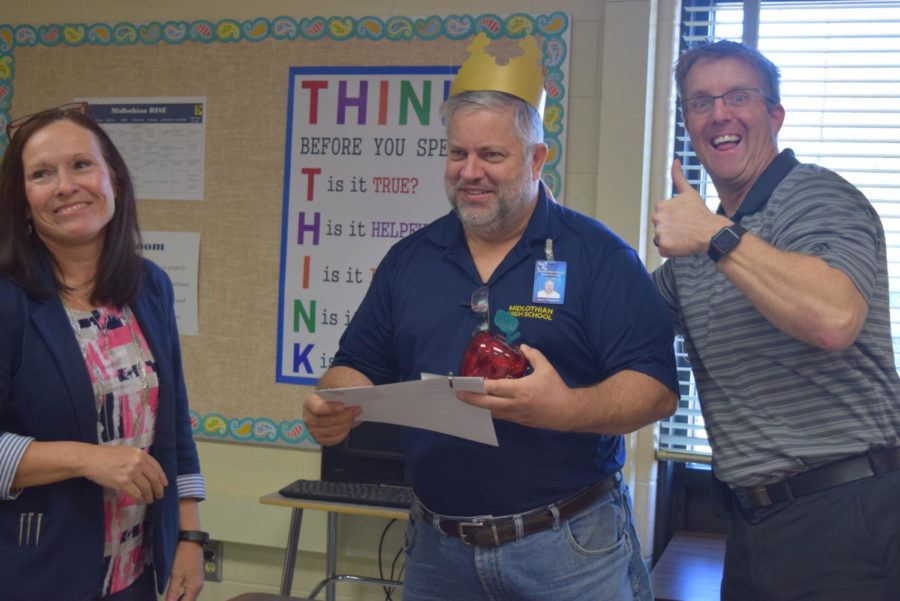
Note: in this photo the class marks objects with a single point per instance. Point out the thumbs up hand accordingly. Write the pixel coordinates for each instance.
(683, 225)
(680, 179)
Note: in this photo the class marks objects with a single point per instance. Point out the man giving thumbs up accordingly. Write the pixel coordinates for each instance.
(782, 297)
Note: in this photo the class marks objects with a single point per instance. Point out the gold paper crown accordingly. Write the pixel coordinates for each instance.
(504, 65)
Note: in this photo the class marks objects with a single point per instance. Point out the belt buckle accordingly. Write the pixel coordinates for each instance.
(756, 496)
(462, 535)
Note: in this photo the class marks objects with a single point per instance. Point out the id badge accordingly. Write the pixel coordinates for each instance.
(549, 282)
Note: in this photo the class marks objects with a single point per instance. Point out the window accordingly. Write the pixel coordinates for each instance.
(840, 86)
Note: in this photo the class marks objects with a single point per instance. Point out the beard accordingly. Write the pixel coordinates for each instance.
(511, 199)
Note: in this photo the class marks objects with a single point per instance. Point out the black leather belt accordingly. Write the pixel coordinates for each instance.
(873, 463)
(493, 532)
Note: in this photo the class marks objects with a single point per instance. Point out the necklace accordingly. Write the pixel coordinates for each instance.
(105, 409)
(93, 316)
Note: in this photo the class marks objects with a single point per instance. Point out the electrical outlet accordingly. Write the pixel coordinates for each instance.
(212, 561)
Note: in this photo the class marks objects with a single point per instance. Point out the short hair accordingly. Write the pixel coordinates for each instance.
(528, 123)
(727, 49)
(22, 252)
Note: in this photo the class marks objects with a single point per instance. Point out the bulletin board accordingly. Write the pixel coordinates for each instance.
(242, 67)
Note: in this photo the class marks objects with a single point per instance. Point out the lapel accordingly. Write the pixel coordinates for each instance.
(53, 326)
(150, 319)
(149, 312)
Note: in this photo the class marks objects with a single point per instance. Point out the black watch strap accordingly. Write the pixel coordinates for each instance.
(725, 241)
(193, 536)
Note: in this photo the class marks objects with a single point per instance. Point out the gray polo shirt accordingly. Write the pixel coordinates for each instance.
(775, 406)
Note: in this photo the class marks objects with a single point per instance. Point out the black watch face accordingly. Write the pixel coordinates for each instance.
(726, 240)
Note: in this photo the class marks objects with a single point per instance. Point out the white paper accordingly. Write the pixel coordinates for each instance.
(178, 254)
(429, 403)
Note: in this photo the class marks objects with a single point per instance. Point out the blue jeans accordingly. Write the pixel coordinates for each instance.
(594, 556)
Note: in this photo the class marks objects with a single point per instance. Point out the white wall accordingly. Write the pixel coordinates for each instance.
(620, 57)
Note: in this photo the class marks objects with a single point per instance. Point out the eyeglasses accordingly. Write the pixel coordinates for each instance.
(479, 305)
(700, 105)
(82, 108)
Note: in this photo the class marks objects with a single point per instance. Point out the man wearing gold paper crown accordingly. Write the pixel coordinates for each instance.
(544, 515)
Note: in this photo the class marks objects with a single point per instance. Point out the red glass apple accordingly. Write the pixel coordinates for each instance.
(489, 356)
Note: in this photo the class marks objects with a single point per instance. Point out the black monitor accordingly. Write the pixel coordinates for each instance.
(371, 453)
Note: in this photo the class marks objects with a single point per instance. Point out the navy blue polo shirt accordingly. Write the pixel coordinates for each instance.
(416, 318)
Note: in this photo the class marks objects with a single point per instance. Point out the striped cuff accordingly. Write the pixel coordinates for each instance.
(192, 486)
(12, 447)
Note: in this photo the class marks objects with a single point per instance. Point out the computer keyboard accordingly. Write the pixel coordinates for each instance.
(350, 492)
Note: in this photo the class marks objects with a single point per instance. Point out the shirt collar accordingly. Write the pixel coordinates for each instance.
(540, 225)
(765, 184)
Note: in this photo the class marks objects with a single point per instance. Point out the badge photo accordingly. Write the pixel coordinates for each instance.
(549, 285)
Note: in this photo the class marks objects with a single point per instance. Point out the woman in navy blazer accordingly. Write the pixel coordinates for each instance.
(99, 475)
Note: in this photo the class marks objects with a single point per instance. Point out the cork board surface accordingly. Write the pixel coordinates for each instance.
(230, 365)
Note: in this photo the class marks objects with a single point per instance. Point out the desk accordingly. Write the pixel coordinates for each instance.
(690, 569)
(333, 509)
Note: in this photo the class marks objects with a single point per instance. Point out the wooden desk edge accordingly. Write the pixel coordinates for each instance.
(354, 508)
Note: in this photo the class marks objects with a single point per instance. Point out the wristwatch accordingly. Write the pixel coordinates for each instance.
(725, 241)
(193, 536)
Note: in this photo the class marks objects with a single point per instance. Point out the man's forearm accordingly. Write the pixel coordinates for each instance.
(343, 377)
(623, 403)
(800, 295)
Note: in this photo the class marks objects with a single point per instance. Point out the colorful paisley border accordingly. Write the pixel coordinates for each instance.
(259, 430)
(455, 27)
(216, 426)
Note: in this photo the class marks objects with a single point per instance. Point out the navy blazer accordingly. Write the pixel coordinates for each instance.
(46, 392)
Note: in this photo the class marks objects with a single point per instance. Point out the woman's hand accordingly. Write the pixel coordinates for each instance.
(130, 470)
(127, 469)
(186, 580)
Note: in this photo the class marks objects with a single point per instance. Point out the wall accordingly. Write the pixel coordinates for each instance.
(618, 69)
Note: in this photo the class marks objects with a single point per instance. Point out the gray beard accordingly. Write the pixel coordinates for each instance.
(505, 214)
